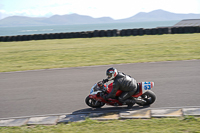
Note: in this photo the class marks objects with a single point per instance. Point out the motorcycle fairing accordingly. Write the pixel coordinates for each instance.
(143, 87)
(110, 101)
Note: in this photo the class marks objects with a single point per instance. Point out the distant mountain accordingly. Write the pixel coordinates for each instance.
(21, 21)
(160, 15)
(76, 19)
(53, 20)
(156, 15)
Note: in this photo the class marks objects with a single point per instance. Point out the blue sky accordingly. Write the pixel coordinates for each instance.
(116, 9)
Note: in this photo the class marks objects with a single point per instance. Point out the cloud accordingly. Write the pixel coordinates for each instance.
(3, 14)
(1, 6)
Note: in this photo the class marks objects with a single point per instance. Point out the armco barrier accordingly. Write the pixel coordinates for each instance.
(104, 33)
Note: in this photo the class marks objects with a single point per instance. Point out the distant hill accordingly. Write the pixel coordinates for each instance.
(53, 20)
(21, 21)
(161, 15)
(76, 19)
(156, 15)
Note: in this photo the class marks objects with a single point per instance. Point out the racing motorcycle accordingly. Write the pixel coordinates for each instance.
(143, 96)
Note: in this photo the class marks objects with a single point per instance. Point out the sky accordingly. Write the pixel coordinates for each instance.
(116, 9)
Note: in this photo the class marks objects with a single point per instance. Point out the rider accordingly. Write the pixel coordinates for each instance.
(122, 82)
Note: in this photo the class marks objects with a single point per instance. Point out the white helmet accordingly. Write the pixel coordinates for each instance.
(111, 73)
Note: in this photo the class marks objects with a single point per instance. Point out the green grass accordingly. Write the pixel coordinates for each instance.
(162, 125)
(61, 53)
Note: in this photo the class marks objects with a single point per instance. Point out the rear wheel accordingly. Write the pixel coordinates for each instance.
(93, 103)
(149, 97)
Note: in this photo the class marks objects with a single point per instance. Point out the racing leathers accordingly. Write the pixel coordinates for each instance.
(126, 84)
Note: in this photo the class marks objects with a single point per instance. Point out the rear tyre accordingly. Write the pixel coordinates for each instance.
(93, 103)
(149, 97)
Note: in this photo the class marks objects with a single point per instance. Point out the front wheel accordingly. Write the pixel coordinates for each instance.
(93, 103)
(149, 97)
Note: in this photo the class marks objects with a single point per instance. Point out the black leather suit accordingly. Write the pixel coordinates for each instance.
(124, 83)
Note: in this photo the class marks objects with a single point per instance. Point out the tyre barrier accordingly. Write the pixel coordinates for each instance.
(141, 31)
(104, 33)
(187, 29)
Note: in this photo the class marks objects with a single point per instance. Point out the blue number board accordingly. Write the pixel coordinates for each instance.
(147, 85)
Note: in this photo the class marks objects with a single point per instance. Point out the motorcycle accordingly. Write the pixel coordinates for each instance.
(143, 96)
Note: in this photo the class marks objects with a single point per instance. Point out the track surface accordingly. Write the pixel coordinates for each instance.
(64, 90)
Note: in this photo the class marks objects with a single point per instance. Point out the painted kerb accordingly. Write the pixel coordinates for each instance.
(133, 114)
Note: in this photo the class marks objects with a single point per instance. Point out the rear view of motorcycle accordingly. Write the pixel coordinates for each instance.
(144, 95)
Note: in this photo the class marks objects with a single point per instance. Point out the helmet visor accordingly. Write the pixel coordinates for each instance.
(109, 75)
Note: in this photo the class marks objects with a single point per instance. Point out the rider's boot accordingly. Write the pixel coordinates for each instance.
(130, 103)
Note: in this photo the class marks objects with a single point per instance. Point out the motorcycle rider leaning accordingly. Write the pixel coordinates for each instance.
(122, 82)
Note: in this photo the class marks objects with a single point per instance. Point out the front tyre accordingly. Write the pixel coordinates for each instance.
(93, 103)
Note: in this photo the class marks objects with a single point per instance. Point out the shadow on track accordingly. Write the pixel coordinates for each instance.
(109, 109)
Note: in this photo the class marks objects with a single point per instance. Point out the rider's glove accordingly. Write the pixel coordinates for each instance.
(105, 80)
(100, 83)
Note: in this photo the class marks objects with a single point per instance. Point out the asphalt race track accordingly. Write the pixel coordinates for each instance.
(53, 91)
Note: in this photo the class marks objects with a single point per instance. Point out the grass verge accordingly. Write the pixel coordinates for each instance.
(47, 54)
(188, 124)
